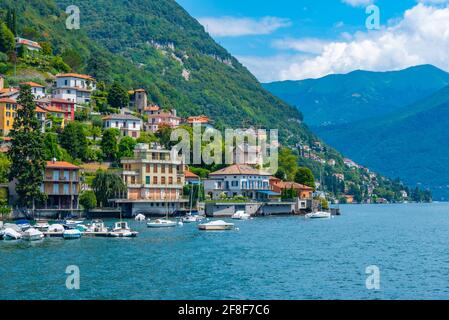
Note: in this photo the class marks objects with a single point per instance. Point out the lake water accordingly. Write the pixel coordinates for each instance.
(267, 258)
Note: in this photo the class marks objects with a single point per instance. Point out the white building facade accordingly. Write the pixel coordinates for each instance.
(74, 87)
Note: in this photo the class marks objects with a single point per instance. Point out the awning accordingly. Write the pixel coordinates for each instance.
(269, 193)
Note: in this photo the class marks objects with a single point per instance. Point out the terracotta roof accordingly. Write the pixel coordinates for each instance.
(190, 175)
(33, 84)
(121, 117)
(8, 90)
(74, 75)
(239, 169)
(8, 100)
(61, 101)
(292, 185)
(152, 108)
(199, 119)
(53, 109)
(61, 165)
(41, 110)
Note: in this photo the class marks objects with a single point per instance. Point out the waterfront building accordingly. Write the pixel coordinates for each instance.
(61, 185)
(190, 177)
(127, 124)
(239, 180)
(74, 87)
(158, 117)
(155, 179)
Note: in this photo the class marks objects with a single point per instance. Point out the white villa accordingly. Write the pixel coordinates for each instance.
(239, 180)
(74, 87)
(127, 124)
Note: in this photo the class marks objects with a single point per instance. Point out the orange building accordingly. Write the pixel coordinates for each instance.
(303, 192)
(62, 186)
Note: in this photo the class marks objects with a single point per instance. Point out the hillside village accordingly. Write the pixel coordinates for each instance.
(107, 145)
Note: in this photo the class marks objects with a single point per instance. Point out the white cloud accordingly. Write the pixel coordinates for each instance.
(358, 3)
(308, 45)
(420, 37)
(236, 27)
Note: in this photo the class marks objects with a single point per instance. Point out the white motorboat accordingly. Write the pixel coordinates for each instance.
(161, 223)
(73, 223)
(41, 226)
(217, 225)
(11, 234)
(241, 215)
(192, 219)
(318, 215)
(122, 230)
(140, 217)
(32, 234)
(72, 234)
(97, 229)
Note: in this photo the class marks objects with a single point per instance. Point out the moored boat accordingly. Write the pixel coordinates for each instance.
(140, 217)
(122, 230)
(11, 234)
(161, 223)
(318, 215)
(217, 225)
(72, 234)
(241, 215)
(32, 234)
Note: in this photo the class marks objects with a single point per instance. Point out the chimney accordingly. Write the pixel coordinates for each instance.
(53, 160)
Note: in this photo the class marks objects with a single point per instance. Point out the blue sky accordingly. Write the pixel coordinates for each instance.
(297, 39)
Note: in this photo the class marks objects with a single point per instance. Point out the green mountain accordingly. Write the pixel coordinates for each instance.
(411, 143)
(338, 99)
(157, 45)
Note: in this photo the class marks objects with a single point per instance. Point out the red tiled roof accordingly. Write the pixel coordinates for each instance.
(152, 108)
(291, 185)
(61, 165)
(33, 84)
(8, 100)
(190, 175)
(41, 110)
(61, 101)
(239, 169)
(74, 75)
(28, 43)
(199, 119)
(53, 109)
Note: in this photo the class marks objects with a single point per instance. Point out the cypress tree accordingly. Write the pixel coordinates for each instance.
(26, 153)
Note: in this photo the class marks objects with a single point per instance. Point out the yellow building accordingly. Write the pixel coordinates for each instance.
(155, 181)
(8, 111)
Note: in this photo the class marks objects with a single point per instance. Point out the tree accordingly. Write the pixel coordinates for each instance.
(88, 200)
(107, 185)
(118, 97)
(46, 48)
(7, 42)
(109, 143)
(164, 134)
(74, 140)
(305, 176)
(98, 66)
(27, 151)
(126, 147)
(5, 165)
(50, 148)
(288, 163)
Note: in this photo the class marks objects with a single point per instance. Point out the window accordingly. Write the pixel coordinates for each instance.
(55, 188)
(162, 180)
(170, 180)
(66, 175)
(133, 180)
(116, 124)
(154, 180)
(147, 169)
(170, 169)
(134, 134)
(66, 188)
(163, 168)
(147, 180)
(56, 175)
(134, 125)
(155, 168)
(66, 82)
